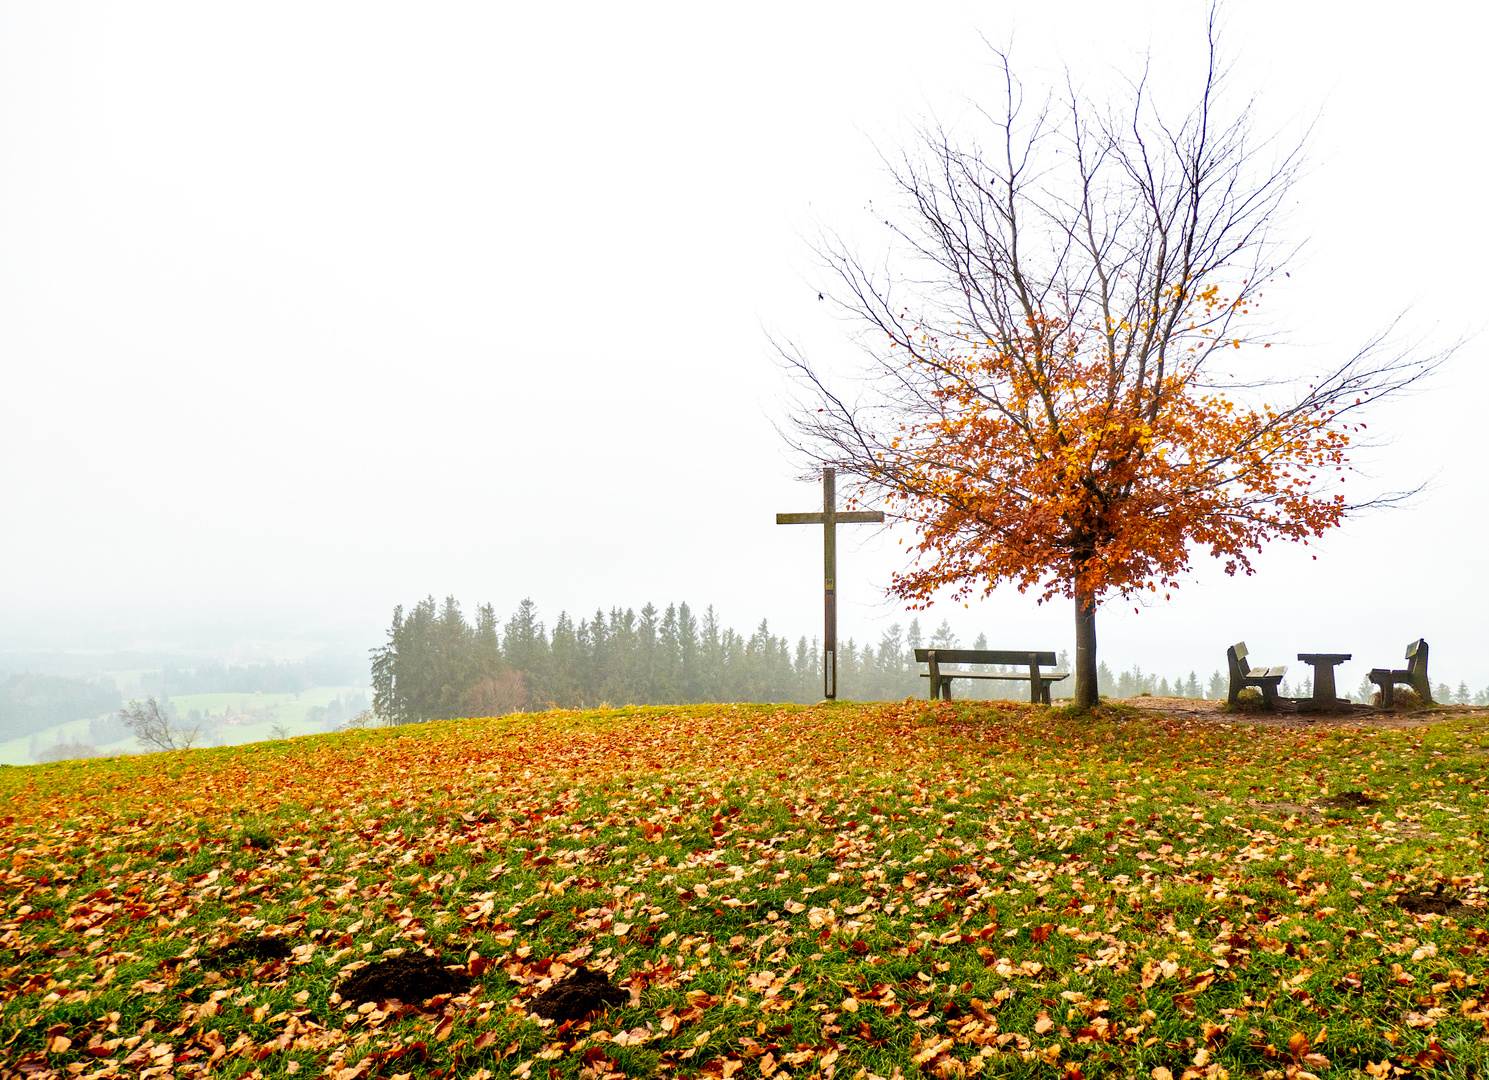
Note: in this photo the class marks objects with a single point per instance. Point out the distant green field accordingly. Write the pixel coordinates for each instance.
(287, 708)
(253, 720)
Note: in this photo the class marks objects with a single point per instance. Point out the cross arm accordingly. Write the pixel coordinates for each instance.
(848, 517)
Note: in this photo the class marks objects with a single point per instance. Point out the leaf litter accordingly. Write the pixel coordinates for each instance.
(955, 888)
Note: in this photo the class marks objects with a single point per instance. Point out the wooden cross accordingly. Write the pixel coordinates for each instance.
(829, 519)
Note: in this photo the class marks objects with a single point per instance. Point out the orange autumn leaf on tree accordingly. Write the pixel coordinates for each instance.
(1040, 469)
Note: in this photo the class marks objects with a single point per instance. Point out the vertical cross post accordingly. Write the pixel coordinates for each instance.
(829, 519)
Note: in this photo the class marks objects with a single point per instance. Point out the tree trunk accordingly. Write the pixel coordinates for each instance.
(1085, 649)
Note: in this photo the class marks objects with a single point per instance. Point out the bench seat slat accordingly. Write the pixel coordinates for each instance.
(1048, 676)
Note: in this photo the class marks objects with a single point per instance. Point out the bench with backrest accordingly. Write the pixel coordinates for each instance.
(1414, 676)
(1243, 675)
(1039, 681)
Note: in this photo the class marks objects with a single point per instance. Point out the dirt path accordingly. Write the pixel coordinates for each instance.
(1288, 716)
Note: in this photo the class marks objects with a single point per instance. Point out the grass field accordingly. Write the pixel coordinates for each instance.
(266, 709)
(838, 891)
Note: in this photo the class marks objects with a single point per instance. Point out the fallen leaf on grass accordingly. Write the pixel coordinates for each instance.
(931, 1050)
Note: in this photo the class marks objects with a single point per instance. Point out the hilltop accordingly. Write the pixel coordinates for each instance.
(842, 890)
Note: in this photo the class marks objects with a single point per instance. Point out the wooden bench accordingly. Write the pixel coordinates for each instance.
(1243, 674)
(1039, 681)
(1414, 676)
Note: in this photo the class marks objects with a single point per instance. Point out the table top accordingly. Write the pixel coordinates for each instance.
(1324, 657)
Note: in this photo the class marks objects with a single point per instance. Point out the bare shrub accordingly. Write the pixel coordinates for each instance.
(364, 719)
(153, 725)
(1406, 698)
(68, 751)
(496, 695)
(1249, 700)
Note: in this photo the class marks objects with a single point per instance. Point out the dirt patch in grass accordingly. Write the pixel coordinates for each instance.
(1438, 902)
(1289, 809)
(1288, 714)
(410, 978)
(579, 995)
(1349, 800)
(263, 947)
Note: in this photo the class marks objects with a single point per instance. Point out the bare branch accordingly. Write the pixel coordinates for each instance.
(152, 725)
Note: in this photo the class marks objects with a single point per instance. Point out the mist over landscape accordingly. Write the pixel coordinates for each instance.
(333, 352)
(353, 292)
(846, 541)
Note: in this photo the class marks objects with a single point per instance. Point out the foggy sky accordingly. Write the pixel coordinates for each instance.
(308, 310)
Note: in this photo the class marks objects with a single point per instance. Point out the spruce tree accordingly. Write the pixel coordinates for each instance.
(688, 652)
(524, 641)
(1106, 682)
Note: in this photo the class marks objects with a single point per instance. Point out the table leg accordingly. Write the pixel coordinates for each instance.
(1323, 684)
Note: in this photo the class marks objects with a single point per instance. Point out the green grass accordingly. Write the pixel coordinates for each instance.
(840, 891)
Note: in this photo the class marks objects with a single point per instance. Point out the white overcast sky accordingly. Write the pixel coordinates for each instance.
(309, 309)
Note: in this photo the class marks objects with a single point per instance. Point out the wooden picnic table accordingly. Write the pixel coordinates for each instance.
(1325, 694)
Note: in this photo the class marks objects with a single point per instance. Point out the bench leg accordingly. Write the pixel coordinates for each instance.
(1269, 695)
(1235, 693)
(1387, 694)
(945, 688)
(1423, 687)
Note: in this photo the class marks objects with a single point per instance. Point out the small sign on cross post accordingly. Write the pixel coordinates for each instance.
(829, 519)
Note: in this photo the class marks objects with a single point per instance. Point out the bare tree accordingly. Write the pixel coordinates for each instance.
(1064, 389)
(497, 695)
(152, 725)
(68, 751)
(367, 718)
